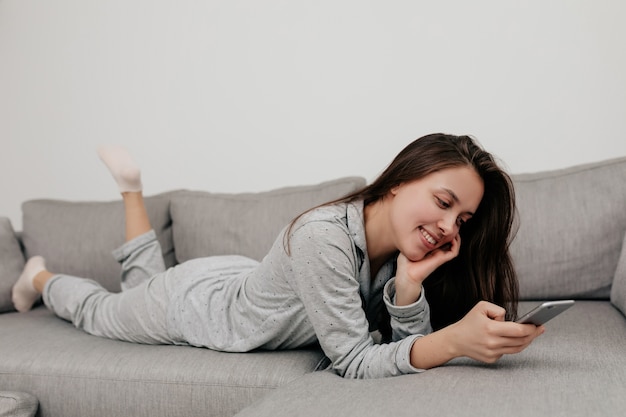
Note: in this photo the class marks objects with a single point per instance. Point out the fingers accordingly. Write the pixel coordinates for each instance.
(508, 346)
(440, 256)
(495, 348)
(456, 244)
(491, 310)
(508, 334)
(489, 336)
(515, 337)
(516, 330)
(419, 270)
(443, 254)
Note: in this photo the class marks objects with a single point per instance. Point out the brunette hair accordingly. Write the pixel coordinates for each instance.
(483, 269)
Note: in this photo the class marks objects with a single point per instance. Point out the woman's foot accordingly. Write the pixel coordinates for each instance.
(122, 166)
(24, 294)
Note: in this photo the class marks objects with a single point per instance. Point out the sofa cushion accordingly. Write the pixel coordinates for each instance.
(77, 238)
(207, 224)
(572, 225)
(618, 291)
(11, 263)
(17, 404)
(74, 374)
(575, 369)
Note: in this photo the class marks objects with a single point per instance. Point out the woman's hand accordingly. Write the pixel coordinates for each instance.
(482, 335)
(411, 274)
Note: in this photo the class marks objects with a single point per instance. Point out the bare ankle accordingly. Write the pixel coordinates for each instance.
(40, 280)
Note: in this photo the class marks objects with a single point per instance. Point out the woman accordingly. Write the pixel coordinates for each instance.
(424, 246)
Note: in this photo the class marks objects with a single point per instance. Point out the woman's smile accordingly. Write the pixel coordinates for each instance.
(429, 239)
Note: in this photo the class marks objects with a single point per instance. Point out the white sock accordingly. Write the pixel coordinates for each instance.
(122, 166)
(24, 293)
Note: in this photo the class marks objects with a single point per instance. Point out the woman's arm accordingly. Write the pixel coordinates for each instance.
(482, 335)
(323, 270)
(406, 320)
(411, 274)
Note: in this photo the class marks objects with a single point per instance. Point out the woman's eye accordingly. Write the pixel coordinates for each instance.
(460, 222)
(442, 203)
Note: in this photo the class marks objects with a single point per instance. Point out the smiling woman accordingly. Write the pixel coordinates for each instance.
(439, 217)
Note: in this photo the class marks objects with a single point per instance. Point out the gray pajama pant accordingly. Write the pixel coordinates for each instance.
(137, 314)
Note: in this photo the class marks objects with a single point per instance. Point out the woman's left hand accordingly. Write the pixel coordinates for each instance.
(411, 274)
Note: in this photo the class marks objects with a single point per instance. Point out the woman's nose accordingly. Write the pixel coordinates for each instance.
(447, 225)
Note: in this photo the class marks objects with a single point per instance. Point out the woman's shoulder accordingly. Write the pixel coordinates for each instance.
(334, 213)
(329, 231)
(330, 219)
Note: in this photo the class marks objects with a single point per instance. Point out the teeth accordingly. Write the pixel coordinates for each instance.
(428, 237)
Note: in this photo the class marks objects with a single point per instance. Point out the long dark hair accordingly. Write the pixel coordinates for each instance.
(483, 270)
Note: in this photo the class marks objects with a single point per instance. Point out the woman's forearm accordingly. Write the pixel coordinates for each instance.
(433, 350)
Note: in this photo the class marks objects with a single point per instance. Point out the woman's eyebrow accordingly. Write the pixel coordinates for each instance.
(451, 193)
(454, 197)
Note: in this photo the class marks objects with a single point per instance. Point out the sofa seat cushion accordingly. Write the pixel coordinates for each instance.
(575, 369)
(77, 238)
(208, 224)
(572, 223)
(76, 374)
(11, 263)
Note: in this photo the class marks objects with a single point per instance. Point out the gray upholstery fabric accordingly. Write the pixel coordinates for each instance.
(11, 263)
(207, 224)
(572, 225)
(75, 374)
(17, 404)
(77, 238)
(618, 291)
(565, 373)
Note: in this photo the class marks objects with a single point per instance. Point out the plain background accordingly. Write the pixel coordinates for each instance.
(248, 95)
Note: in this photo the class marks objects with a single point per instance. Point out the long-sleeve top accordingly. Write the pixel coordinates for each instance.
(319, 290)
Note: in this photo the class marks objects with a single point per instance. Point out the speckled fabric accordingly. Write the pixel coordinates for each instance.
(320, 292)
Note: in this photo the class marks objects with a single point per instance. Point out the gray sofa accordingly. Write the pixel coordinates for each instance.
(570, 244)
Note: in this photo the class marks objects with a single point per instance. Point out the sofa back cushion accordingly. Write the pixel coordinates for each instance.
(11, 263)
(572, 225)
(207, 224)
(77, 238)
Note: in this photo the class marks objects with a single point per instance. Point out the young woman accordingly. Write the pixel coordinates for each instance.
(424, 246)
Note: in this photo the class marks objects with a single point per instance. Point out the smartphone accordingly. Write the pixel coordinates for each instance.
(544, 312)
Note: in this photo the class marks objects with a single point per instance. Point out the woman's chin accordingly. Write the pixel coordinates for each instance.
(415, 255)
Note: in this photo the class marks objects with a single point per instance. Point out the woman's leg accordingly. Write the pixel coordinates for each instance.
(139, 315)
(141, 259)
(128, 178)
(141, 256)
(136, 215)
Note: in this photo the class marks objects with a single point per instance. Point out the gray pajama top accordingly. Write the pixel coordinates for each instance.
(322, 293)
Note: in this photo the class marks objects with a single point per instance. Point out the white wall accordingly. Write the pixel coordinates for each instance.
(248, 95)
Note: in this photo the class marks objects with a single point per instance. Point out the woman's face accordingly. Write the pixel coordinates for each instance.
(427, 213)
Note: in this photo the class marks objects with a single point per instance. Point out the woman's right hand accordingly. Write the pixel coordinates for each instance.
(411, 274)
(483, 334)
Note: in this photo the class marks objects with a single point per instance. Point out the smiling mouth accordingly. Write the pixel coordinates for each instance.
(429, 238)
